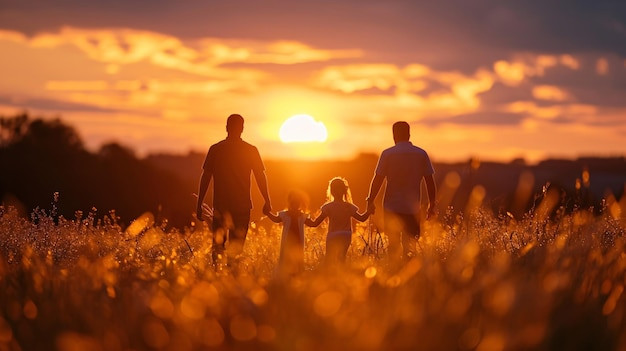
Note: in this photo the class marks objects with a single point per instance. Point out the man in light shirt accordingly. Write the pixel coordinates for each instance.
(404, 166)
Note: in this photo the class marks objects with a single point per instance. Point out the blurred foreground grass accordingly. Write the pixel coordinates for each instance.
(548, 281)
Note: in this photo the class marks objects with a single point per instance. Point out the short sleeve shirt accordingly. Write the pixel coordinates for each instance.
(404, 165)
(339, 215)
(231, 162)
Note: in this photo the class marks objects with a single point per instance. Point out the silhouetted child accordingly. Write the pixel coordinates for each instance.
(339, 210)
(292, 240)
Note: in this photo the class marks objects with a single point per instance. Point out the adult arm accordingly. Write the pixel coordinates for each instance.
(274, 218)
(205, 179)
(261, 181)
(432, 193)
(375, 185)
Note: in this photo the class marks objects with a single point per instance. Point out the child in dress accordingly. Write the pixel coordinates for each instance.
(291, 258)
(339, 210)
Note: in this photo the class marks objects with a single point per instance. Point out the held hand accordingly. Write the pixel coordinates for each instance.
(370, 208)
(430, 213)
(267, 208)
(199, 214)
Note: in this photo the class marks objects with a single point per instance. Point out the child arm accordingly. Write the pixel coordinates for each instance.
(274, 218)
(317, 221)
(361, 217)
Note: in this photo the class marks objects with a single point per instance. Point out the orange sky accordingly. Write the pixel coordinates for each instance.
(158, 85)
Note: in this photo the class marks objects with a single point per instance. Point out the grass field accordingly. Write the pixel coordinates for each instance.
(547, 281)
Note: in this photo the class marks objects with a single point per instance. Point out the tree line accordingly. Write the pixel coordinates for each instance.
(41, 157)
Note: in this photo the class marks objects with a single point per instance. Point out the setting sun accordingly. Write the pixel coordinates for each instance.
(302, 129)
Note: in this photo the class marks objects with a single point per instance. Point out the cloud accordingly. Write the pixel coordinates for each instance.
(526, 86)
(501, 93)
(77, 85)
(579, 112)
(359, 77)
(51, 105)
(408, 83)
(151, 97)
(203, 57)
(419, 79)
(522, 67)
(152, 85)
(493, 28)
(474, 68)
(146, 71)
(586, 85)
(12, 36)
(559, 26)
(550, 92)
(602, 66)
(570, 80)
(485, 118)
(281, 52)
(442, 36)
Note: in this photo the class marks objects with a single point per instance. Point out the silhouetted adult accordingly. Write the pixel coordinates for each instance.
(404, 166)
(230, 163)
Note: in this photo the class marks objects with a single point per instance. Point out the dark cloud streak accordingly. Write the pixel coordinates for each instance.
(478, 118)
(427, 30)
(52, 105)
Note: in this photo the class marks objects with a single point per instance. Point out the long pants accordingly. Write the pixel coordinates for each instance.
(403, 231)
(231, 227)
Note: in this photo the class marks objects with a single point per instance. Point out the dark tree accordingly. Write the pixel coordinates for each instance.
(40, 157)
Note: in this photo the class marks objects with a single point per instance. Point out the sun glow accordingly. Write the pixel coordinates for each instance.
(302, 129)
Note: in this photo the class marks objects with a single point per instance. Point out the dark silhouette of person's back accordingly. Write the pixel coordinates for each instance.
(229, 163)
(404, 166)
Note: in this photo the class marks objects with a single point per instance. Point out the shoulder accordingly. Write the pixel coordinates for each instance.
(388, 151)
(217, 146)
(384, 155)
(398, 148)
(214, 152)
(220, 143)
(421, 151)
(249, 149)
(417, 148)
(248, 146)
(410, 148)
(352, 207)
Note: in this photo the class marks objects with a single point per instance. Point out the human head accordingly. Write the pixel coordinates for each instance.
(401, 131)
(338, 189)
(234, 125)
(297, 200)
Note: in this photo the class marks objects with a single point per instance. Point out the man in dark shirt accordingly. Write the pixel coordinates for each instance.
(229, 163)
